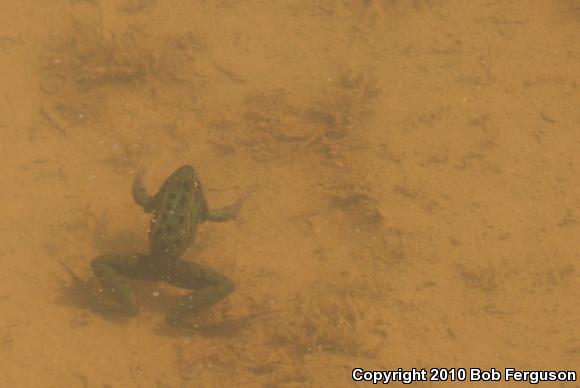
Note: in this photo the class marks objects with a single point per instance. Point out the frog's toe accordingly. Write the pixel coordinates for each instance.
(244, 197)
(138, 184)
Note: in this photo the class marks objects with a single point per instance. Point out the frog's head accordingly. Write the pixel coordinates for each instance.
(186, 171)
(186, 174)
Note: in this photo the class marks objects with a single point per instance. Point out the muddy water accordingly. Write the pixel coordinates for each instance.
(415, 167)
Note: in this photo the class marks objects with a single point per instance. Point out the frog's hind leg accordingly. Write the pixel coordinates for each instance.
(113, 270)
(209, 286)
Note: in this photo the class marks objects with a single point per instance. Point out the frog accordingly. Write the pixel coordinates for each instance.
(177, 210)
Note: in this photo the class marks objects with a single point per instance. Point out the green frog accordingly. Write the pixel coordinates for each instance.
(177, 209)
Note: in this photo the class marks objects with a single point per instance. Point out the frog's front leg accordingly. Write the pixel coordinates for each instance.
(140, 196)
(228, 212)
(112, 271)
(209, 286)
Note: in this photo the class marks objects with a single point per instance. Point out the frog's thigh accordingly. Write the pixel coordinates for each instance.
(135, 266)
(209, 285)
(112, 271)
(195, 276)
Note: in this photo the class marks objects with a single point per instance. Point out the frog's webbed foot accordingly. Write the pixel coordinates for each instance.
(222, 328)
(228, 212)
(95, 302)
(140, 196)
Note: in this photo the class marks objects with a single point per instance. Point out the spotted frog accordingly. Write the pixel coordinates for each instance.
(177, 209)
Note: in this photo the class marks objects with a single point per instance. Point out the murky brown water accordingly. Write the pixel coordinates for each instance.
(415, 164)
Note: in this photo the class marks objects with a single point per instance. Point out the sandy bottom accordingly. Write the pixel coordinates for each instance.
(415, 165)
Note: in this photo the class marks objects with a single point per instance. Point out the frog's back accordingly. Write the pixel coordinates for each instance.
(181, 205)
